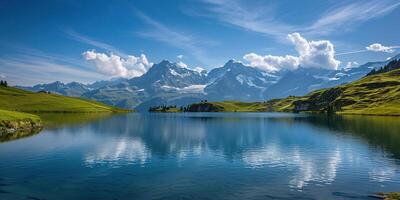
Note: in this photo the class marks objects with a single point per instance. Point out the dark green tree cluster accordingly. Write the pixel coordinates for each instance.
(392, 65)
(160, 108)
(3, 83)
(183, 109)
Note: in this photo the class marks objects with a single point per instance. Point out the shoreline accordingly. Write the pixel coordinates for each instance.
(313, 112)
(13, 129)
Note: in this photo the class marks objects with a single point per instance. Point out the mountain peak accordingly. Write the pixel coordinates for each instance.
(233, 61)
(55, 83)
(164, 62)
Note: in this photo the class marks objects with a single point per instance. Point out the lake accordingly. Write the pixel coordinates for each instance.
(204, 156)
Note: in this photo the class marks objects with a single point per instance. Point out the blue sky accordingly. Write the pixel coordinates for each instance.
(45, 41)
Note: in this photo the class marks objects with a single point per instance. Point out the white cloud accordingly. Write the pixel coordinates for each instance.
(2, 76)
(271, 63)
(388, 58)
(317, 54)
(116, 66)
(376, 47)
(179, 56)
(351, 64)
(380, 48)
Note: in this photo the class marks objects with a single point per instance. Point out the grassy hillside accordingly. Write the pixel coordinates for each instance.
(6, 115)
(14, 99)
(377, 94)
(372, 95)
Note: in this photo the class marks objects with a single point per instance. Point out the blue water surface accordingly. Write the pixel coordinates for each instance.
(205, 156)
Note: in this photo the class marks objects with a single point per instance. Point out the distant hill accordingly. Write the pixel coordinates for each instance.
(14, 99)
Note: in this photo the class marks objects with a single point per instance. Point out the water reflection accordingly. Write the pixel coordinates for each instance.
(53, 121)
(307, 168)
(381, 132)
(222, 155)
(5, 137)
(115, 153)
(298, 145)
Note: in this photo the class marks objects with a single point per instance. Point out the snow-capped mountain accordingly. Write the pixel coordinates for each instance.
(235, 81)
(164, 83)
(298, 82)
(166, 76)
(174, 84)
(304, 80)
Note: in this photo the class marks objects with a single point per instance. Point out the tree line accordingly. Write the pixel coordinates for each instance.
(3, 83)
(392, 65)
(165, 108)
(160, 108)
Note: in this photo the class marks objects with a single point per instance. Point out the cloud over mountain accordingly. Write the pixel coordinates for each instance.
(380, 48)
(116, 66)
(312, 54)
(318, 54)
(351, 64)
(271, 63)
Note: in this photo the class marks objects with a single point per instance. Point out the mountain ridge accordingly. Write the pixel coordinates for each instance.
(376, 94)
(168, 83)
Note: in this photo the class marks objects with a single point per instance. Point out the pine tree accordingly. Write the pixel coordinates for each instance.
(1, 83)
(5, 83)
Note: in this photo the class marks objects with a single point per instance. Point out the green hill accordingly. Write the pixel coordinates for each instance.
(6, 115)
(376, 94)
(15, 104)
(14, 99)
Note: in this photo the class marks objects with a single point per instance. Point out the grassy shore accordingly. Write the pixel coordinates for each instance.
(18, 109)
(17, 124)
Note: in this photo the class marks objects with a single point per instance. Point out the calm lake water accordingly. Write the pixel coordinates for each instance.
(204, 156)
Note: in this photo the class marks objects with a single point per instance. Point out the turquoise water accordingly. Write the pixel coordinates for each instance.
(205, 156)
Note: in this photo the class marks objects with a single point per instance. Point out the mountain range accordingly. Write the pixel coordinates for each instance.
(168, 83)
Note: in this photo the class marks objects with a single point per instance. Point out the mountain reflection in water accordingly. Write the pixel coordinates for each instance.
(203, 155)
